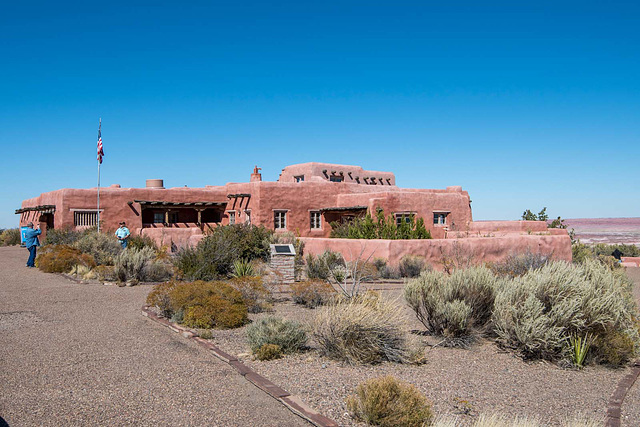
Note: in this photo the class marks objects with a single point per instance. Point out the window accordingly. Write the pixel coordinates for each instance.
(316, 221)
(173, 217)
(158, 217)
(440, 218)
(336, 178)
(403, 217)
(299, 178)
(247, 217)
(280, 220)
(232, 218)
(85, 218)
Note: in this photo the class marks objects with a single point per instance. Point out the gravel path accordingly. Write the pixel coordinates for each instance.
(83, 355)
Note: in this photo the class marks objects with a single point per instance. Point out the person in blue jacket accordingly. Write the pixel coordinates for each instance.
(31, 242)
(123, 234)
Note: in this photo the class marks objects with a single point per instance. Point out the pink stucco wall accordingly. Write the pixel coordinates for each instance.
(484, 249)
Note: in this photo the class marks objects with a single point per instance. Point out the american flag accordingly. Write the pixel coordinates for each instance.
(100, 151)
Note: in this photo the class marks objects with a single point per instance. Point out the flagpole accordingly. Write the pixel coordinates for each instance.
(99, 162)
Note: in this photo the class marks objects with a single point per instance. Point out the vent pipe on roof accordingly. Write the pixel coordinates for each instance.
(155, 183)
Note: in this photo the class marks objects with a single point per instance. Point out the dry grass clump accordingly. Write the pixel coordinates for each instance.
(537, 313)
(312, 293)
(254, 293)
(453, 306)
(387, 401)
(62, 259)
(365, 329)
(289, 336)
(200, 304)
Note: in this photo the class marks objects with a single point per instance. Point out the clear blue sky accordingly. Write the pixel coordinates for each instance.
(524, 106)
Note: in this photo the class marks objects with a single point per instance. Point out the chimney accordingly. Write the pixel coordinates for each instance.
(155, 183)
(256, 176)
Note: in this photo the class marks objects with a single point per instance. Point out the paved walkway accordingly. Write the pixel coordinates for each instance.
(75, 354)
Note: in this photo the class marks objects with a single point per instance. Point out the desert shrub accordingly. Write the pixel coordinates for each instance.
(288, 335)
(411, 266)
(387, 401)
(519, 264)
(386, 271)
(603, 253)
(157, 271)
(62, 258)
(160, 298)
(130, 264)
(103, 248)
(537, 313)
(215, 254)
(312, 293)
(615, 348)
(200, 304)
(10, 237)
(381, 227)
(288, 237)
(141, 241)
(63, 236)
(608, 250)
(269, 352)
(254, 293)
(454, 306)
(319, 267)
(105, 272)
(365, 329)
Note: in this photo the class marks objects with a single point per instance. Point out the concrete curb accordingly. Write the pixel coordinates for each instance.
(292, 402)
(614, 408)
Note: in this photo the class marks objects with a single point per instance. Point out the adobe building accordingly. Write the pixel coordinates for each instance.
(305, 200)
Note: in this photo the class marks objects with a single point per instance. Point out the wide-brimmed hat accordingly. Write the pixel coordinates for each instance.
(29, 224)
(122, 223)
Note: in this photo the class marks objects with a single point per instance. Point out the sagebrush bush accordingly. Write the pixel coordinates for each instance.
(290, 336)
(312, 293)
(537, 313)
(269, 352)
(130, 264)
(200, 304)
(62, 258)
(411, 266)
(10, 237)
(254, 293)
(453, 306)
(365, 329)
(519, 264)
(389, 402)
(386, 271)
(102, 247)
(215, 254)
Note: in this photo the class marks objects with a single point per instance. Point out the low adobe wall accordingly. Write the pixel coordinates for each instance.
(172, 238)
(487, 249)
